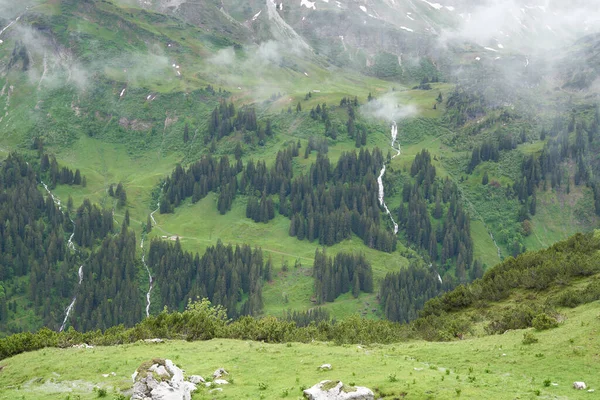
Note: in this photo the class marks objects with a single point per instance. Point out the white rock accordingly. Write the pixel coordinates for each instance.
(159, 370)
(579, 385)
(215, 390)
(219, 373)
(196, 379)
(220, 382)
(326, 367)
(174, 389)
(153, 340)
(337, 393)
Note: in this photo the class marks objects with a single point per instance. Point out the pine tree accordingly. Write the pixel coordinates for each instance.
(485, 179)
(355, 285)
(186, 133)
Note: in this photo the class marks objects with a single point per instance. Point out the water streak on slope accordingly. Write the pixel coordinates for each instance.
(380, 178)
(149, 279)
(70, 245)
(11, 24)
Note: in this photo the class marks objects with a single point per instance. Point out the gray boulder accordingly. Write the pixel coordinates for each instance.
(336, 390)
(161, 380)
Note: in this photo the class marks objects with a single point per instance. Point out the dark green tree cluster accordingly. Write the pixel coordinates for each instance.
(404, 293)
(429, 197)
(206, 175)
(118, 193)
(341, 274)
(109, 294)
(315, 315)
(262, 211)
(32, 243)
(321, 113)
(224, 120)
(91, 223)
(316, 143)
(228, 276)
(329, 204)
(463, 105)
(54, 174)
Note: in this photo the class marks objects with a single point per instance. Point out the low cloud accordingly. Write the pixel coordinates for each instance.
(387, 107)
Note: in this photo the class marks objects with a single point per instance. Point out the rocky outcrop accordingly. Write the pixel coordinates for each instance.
(336, 390)
(161, 380)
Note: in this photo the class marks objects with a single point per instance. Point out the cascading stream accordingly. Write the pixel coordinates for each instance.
(71, 246)
(150, 279)
(380, 178)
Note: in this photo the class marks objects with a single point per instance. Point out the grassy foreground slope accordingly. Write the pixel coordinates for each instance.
(498, 367)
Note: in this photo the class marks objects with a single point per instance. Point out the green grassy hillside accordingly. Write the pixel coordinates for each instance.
(499, 367)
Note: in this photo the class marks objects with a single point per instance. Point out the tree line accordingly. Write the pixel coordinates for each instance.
(327, 204)
(341, 274)
(227, 275)
(433, 219)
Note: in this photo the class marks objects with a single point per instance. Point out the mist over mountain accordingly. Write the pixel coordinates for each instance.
(350, 171)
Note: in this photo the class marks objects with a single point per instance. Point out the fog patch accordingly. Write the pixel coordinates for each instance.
(387, 107)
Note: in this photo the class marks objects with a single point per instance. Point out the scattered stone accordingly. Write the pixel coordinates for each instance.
(220, 382)
(591, 391)
(579, 385)
(336, 390)
(156, 340)
(219, 373)
(325, 367)
(83, 346)
(196, 379)
(169, 386)
(215, 390)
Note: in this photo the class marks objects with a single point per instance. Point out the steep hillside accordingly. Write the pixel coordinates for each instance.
(407, 136)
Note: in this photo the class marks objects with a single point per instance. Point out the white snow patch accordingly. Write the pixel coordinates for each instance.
(478, 58)
(450, 8)
(500, 46)
(306, 73)
(256, 15)
(308, 4)
(490, 49)
(409, 17)
(363, 8)
(406, 29)
(122, 93)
